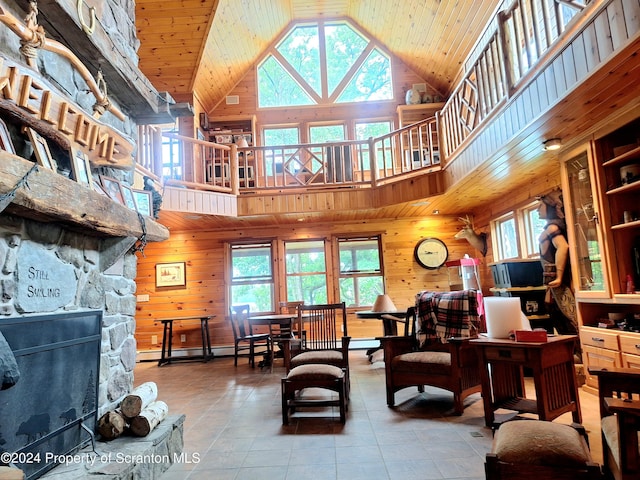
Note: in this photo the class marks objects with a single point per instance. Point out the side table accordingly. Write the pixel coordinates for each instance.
(167, 339)
(554, 377)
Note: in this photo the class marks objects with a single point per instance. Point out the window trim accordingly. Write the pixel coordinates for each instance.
(358, 274)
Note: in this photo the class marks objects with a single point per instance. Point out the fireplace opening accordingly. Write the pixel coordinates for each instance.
(46, 414)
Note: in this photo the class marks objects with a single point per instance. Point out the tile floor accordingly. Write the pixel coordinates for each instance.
(234, 425)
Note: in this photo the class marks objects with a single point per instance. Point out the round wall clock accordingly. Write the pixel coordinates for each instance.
(431, 253)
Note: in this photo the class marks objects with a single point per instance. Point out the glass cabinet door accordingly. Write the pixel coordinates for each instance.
(583, 227)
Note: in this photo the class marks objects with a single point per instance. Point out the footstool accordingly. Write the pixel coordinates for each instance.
(313, 375)
(535, 449)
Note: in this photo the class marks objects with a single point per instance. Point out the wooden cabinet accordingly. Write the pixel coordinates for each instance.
(582, 210)
(601, 186)
(618, 159)
(630, 349)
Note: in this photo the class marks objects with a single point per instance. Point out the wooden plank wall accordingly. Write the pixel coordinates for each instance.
(205, 292)
(206, 289)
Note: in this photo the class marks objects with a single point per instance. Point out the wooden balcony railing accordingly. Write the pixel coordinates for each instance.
(514, 43)
(347, 164)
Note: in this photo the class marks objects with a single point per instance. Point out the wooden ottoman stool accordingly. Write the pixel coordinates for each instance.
(535, 449)
(313, 375)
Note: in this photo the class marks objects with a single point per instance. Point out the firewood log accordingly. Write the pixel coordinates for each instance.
(136, 401)
(10, 473)
(149, 418)
(111, 425)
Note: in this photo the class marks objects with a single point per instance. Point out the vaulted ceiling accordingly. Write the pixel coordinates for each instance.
(207, 46)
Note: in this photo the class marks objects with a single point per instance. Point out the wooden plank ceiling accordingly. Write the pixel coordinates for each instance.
(207, 46)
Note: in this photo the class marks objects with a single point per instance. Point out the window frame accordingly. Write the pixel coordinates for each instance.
(529, 236)
(257, 280)
(496, 232)
(324, 97)
(357, 275)
(326, 254)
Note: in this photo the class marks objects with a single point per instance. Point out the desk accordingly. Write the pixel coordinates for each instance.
(554, 377)
(167, 339)
(390, 327)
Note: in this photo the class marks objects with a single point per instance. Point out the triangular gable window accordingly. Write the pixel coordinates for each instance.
(321, 64)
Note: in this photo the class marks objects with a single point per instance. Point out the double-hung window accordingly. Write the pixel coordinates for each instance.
(252, 278)
(306, 271)
(360, 275)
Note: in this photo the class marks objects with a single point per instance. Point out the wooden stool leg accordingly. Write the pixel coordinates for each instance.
(285, 402)
(342, 395)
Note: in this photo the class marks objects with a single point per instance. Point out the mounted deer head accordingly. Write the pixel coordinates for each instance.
(477, 241)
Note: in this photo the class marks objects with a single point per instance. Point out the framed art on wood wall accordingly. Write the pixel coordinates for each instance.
(171, 274)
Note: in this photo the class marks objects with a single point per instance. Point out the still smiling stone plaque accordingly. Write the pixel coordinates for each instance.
(45, 283)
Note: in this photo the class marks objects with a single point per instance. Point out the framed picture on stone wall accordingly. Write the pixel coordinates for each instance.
(127, 194)
(5, 139)
(41, 149)
(112, 187)
(143, 201)
(80, 167)
(171, 274)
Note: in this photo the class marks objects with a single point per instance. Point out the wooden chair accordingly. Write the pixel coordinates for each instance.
(324, 339)
(290, 307)
(287, 329)
(437, 350)
(619, 394)
(244, 338)
(320, 359)
(283, 330)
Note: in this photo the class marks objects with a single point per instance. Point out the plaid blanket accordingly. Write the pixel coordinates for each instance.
(441, 315)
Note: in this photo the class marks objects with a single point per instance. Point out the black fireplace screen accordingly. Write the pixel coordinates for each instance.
(58, 356)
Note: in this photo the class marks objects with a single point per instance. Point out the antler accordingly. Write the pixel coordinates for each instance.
(466, 220)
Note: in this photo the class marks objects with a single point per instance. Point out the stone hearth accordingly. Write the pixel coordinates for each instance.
(126, 457)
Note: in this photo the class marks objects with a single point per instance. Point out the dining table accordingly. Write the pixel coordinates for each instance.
(279, 321)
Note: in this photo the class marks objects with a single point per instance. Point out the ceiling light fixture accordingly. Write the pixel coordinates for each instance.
(552, 144)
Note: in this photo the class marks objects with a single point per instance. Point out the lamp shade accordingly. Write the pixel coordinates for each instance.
(383, 303)
(242, 142)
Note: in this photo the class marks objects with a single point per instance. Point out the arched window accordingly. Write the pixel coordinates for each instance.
(324, 63)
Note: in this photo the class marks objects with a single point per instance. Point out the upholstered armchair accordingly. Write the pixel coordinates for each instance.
(619, 394)
(437, 350)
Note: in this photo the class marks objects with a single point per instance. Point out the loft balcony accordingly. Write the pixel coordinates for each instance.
(565, 81)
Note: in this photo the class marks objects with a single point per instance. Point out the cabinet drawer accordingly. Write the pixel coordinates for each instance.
(597, 337)
(505, 354)
(599, 357)
(631, 361)
(630, 343)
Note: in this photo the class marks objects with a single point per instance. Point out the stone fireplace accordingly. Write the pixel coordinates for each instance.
(65, 250)
(52, 407)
